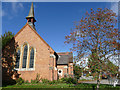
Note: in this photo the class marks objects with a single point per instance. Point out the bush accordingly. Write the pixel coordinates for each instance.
(26, 81)
(37, 77)
(55, 82)
(8, 82)
(34, 81)
(52, 82)
(69, 80)
(62, 80)
(19, 81)
(45, 81)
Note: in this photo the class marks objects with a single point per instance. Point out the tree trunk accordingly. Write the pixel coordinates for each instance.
(98, 83)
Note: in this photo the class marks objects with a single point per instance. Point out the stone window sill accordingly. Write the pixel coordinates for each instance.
(25, 69)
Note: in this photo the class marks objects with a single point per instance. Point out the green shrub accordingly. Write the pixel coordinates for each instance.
(37, 77)
(19, 81)
(26, 81)
(31, 81)
(82, 80)
(34, 81)
(45, 81)
(54, 82)
(62, 80)
(8, 82)
(69, 80)
(51, 82)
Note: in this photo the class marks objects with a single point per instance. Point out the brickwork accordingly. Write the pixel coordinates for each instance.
(63, 69)
(44, 58)
(66, 70)
(70, 69)
(42, 55)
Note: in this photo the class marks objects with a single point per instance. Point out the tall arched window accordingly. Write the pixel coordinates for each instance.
(25, 56)
(17, 59)
(31, 65)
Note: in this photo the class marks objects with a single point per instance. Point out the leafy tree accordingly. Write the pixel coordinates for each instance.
(8, 48)
(96, 34)
(100, 66)
(77, 71)
(6, 38)
(94, 65)
(111, 68)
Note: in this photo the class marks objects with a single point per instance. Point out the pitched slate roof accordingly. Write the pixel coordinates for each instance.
(65, 57)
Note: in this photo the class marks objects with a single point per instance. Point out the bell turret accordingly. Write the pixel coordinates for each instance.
(30, 18)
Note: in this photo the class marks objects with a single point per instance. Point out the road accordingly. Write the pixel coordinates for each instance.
(101, 82)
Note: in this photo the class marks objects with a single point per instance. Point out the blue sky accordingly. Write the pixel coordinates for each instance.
(54, 19)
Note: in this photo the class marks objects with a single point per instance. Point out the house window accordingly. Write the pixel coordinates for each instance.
(60, 71)
(25, 56)
(31, 58)
(17, 59)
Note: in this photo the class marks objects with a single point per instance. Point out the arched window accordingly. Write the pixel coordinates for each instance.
(31, 65)
(17, 59)
(25, 56)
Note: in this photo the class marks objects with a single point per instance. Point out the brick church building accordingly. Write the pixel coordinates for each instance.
(32, 55)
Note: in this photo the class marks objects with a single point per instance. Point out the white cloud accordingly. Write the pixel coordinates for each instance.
(2, 13)
(83, 62)
(16, 6)
(114, 7)
(21, 5)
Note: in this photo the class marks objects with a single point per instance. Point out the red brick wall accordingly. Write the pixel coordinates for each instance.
(64, 70)
(42, 60)
(70, 69)
(45, 65)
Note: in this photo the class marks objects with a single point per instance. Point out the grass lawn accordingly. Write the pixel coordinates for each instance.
(61, 85)
(40, 85)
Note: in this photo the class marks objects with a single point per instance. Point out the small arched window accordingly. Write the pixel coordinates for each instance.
(31, 65)
(17, 59)
(25, 56)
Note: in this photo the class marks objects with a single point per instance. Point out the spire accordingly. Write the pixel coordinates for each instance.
(30, 18)
(31, 12)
